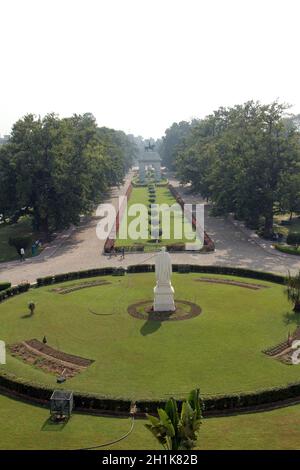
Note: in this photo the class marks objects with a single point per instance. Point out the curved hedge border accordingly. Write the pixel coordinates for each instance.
(225, 404)
(11, 291)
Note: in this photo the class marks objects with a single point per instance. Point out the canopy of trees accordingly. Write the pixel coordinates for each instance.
(173, 142)
(57, 169)
(246, 159)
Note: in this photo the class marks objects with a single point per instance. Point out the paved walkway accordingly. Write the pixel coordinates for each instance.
(80, 249)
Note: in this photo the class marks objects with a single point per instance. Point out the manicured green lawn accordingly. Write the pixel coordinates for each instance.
(163, 196)
(219, 351)
(21, 228)
(25, 426)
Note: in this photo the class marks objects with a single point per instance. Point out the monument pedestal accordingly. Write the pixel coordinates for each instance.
(164, 297)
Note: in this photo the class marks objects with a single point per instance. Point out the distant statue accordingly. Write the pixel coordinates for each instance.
(163, 291)
(163, 266)
(149, 146)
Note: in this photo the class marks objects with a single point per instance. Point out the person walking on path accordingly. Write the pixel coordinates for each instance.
(22, 254)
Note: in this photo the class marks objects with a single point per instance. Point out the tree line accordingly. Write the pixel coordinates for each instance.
(245, 159)
(57, 169)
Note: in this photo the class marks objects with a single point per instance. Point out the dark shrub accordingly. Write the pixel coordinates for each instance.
(293, 238)
(138, 247)
(20, 242)
(184, 268)
(176, 247)
(290, 250)
(4, 285)
(119, 271)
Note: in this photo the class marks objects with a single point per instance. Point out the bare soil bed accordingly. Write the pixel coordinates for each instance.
(49, 359)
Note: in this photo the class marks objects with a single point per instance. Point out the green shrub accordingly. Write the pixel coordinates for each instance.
(15, 290)
(20, 242)
(184, 268)
(176, 247)
(4, 285)
(137, 247)
(119, 271)
(45, 281)
(293, 238)
(288, 249)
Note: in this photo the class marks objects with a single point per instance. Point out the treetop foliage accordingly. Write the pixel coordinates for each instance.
(57, 169)
(245, 159)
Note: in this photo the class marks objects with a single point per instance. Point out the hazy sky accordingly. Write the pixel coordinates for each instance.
(139, 65)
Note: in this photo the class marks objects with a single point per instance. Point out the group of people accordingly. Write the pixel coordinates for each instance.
(34, 248)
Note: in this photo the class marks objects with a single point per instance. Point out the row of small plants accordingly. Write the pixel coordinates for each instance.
(208, 242)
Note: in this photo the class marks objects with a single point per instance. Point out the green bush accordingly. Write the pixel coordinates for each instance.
(176, 247)
(20, 242)
(119, 271)
(15, 290)
(4, 285)
(293, 238)
(45, 281)
(288, 249)
(184, 268)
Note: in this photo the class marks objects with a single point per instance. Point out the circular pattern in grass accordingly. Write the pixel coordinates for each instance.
(144, 311)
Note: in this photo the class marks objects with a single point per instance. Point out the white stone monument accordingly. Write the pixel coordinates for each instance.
(163, 291)
(2, 352)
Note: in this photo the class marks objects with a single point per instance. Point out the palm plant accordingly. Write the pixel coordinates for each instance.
(293, 290)
(178, 431)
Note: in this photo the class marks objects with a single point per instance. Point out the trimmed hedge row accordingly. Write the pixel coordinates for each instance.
(226, 270)
(4, 285)
(12, 291)
(145, 268)
(212, 405)
(45, 281)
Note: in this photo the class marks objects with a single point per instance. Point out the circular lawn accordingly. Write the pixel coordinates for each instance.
(219, 350)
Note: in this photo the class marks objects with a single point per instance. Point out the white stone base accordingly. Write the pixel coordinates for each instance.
(164, 298)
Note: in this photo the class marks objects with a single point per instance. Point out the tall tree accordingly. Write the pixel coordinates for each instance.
(172, 141)
(240, 157)
(59, 168)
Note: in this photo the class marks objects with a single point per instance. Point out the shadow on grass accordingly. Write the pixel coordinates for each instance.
(27, 315)
(150, 327)
(52, 426)
(290, 318)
